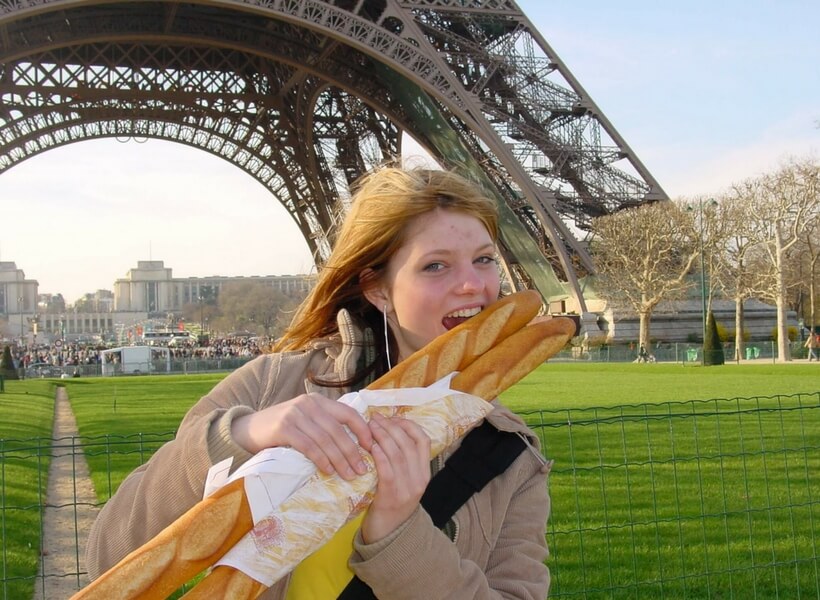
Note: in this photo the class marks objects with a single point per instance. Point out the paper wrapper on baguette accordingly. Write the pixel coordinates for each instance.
(309, 516)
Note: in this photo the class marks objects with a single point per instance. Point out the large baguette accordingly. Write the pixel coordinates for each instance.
(161, 565)
(193, 542)
(499, 368)
(513, 358)
(456, 349)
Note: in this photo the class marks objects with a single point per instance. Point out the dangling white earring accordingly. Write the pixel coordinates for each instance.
(386, 339)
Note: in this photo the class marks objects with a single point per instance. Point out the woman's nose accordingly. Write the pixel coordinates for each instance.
(471, 280)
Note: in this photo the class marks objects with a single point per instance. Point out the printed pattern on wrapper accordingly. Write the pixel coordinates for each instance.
(316, 510)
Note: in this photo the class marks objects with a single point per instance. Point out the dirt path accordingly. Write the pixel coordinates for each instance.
(69, 510)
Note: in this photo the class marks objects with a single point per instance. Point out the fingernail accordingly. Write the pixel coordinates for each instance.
(361, 468)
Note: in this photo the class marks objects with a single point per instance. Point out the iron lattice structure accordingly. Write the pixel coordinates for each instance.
(306, 95)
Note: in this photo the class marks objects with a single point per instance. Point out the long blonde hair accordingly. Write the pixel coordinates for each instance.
(384, 203)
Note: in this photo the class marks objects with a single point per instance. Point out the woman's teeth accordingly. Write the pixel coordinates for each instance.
(459, 316)
(465, 313)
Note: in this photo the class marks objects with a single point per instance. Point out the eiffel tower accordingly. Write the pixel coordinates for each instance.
(306, 95)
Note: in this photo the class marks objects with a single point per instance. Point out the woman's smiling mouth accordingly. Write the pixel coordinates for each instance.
(459, 316)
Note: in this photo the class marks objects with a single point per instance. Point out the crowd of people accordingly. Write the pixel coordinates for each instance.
(78, 354)
(221, 347)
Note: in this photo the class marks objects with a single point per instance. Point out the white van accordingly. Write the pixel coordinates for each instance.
(133, 360)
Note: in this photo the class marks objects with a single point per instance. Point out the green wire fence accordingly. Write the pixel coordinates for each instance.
(699, 499)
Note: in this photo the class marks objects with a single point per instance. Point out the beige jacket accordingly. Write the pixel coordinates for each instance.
(499, 547)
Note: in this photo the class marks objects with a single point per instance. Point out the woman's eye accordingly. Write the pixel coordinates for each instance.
(486, 260)
(432, 267)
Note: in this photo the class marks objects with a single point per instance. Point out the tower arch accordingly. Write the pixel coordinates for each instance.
(305, 96)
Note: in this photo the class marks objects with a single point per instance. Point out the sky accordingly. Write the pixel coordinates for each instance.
(705, 93)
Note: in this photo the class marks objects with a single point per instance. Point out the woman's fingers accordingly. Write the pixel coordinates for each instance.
(401, 452)
(350, 418)
(322, 435)
(316, 426)
(402, 457)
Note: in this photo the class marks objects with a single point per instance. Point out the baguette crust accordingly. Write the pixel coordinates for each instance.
(514, 358)
(460, 346)
(180, 551)
(210, 528)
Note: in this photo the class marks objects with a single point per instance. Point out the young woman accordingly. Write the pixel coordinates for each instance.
(416, 254)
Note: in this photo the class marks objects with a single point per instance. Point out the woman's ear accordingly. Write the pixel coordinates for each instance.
(373, 291)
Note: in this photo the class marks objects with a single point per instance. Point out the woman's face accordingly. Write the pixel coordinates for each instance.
(443, 274)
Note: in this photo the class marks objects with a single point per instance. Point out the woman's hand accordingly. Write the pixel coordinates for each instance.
(315, 426)
(401, 451)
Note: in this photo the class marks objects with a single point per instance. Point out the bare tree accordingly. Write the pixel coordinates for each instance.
(643, 256)
(813, 255)
(785, 205)
(714, 230)
(255, 306)
(201, 312)
(805, 260)
(732, 256)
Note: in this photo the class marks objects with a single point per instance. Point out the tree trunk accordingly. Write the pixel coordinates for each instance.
(811, 300)
(739, 343)
(643, 332)
(783, 354)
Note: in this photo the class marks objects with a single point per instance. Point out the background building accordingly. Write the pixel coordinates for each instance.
(147, 293)
(17, 294)
(18, 300)
(151, 288)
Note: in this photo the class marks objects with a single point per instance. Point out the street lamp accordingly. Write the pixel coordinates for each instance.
(20, 308)
(711, 202)
(201, 320)
(702, 288)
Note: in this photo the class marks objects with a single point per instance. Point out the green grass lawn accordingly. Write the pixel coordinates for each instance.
(25, 438)
(574, 385)
(123, 420)
(657, 490)
(703, 499)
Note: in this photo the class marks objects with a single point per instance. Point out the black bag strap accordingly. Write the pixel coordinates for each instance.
(484, 454)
